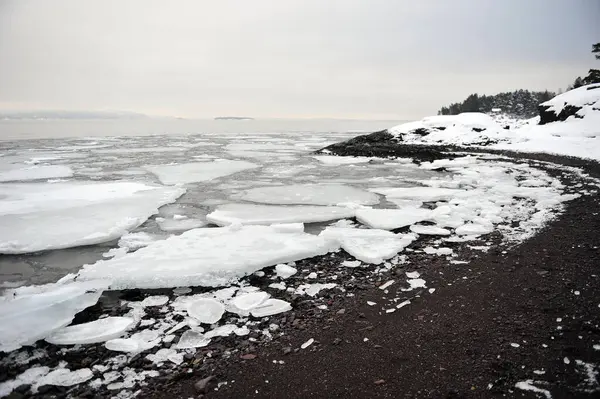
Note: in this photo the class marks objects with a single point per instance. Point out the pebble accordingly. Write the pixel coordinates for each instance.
(248, 356)
(202, 385)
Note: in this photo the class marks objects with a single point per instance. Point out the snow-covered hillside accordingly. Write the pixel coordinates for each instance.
(569, 125)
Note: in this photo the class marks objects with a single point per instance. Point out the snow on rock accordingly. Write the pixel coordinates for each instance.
(89, 333)
(429, 230)
(390, 219)
(463, 129)
(208, 257)
(36, 173)
(270, 307)
(205, 310)
(31, 313)
(368, 245)
(284, 271)
(198, 171)
(310, 194)
(577, 102)
(45, 216)
(245, 214)
(333, 160)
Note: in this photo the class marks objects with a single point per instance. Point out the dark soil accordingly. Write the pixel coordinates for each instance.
(455, 343)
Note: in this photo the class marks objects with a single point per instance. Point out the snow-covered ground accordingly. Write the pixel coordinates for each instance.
(578, 135)
(142, 212)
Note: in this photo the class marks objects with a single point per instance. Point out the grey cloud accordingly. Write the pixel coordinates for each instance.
(350, 58)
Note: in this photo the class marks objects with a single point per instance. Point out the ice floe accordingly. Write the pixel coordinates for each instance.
(36, 173)
(390, 219)
(198, 171)
(31, 313)
(368, 245)
(270, 307)
(88, 333)
(208, 257)
(310, 194)
(47, 216)
(228, 214)
(205, 310)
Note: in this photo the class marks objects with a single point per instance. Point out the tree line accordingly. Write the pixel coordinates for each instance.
(519, 103)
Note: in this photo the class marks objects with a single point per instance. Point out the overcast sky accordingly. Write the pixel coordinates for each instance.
(375, 59)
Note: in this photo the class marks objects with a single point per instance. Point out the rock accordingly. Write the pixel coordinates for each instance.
(341, 311)
(379, 382)
(248, 356)
(287, 350)
(202, 385)
(337, 341)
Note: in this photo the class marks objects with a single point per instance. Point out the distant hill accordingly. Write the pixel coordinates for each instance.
(233, 118)
(522, 104)
(50, 114)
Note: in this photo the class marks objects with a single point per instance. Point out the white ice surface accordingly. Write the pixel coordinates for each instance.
(89, 333)
(227, 214)
(47, 216)
(192, 339)
(205, 310)
(389, 219)
(36, 173)
(425, 194)
(284, 271)
(208, 257)
(429, 230)
(368, 245)
(198, 171)
(270, 307)
(333, 160)
(310, 194)
(64, 377)
(173, 225)
(31, 313)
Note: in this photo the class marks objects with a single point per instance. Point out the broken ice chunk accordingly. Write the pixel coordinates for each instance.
(270, 307)
(89, 333)
(206, 310)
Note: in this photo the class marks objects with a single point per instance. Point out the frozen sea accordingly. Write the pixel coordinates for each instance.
(126, 150)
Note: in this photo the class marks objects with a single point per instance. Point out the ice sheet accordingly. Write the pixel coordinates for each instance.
(208, 257)
(47, 216)
(36, 173)
(228, 214)
(310, 194)
(198, 171)
(31, 313)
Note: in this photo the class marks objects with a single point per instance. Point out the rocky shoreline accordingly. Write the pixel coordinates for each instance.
(453, 339)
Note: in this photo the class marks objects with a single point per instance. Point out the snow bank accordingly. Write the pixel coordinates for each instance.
(208, 257)
(44, 216)
(569, 124)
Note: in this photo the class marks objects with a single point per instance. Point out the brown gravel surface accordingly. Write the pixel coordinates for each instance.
(543, 295)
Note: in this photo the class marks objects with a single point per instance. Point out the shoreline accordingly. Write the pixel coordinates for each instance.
(328, 367)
